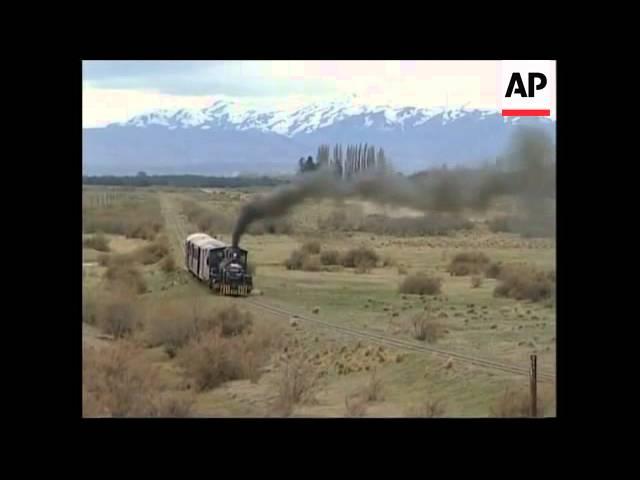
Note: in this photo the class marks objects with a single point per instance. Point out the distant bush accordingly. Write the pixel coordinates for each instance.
(312, 247)
(374, 390)
(97, 242)
(174, 323)
(493, 270)
(422, 284)
(295, 260)
(335, 221)
(153, 253)
(232, 320)
(117, 383)
(117, 314)
(330, 257)
(426, 328)
(468, 263)
(388, 261)
(104, 260)
(346, 219)
(145, 232)
(174, 405)
(525, 283)
(298, 383)
(170, 324)
(212, 358)
(311, 263)
(126, 277)
(168, 265)
(362, 257)
(145, 255)
(206, 219)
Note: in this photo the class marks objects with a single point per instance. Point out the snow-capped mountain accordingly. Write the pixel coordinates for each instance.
(263, 137)
(291, 118)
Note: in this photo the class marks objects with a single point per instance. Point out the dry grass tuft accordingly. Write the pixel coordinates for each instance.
(468, 263)
(422, 284)
(298, 384)
(125, 277)
(168, 264)
(311, 248)
(330, 257)
(362, 258)
(526, 283)
(211, 358)
(425, 327)
(116, 313)
(118, 383)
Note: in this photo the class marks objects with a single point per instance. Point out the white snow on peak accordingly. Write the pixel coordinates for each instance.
(294, 115)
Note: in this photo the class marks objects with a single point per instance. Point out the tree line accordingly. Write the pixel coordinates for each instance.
(201, 181)
(346, 162)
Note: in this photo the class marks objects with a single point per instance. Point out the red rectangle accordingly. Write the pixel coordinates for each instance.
(526, 113)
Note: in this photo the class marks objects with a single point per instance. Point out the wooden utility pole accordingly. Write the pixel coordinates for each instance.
(533, 385)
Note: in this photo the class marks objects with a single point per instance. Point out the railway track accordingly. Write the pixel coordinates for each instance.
(406, 345)
(176, 225)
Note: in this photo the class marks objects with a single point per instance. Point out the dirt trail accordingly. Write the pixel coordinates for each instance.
(176, 226)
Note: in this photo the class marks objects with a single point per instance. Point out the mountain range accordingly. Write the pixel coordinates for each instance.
(232, 137)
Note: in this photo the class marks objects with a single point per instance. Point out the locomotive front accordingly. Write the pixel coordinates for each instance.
(235, 275)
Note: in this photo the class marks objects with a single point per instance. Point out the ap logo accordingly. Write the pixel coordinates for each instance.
(527, 87)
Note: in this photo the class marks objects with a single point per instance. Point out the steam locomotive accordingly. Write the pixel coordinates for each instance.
(222, 266)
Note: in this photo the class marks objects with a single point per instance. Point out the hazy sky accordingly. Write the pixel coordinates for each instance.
(116, 90)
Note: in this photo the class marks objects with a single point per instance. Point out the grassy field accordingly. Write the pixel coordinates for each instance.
(335, 374)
